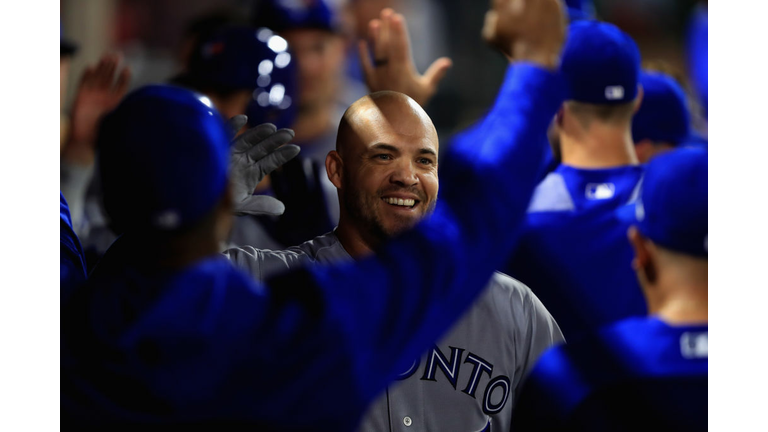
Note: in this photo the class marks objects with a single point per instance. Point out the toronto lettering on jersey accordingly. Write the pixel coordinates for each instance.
(496, 390)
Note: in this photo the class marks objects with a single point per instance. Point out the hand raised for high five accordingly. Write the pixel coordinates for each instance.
(101, 88)
(255, 153)
(393, 67)
(527, 30)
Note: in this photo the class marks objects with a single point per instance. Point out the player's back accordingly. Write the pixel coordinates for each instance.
(638, 374)
(573, 250)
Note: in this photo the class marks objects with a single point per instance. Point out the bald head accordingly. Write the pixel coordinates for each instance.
(381, 114)
(384, 167)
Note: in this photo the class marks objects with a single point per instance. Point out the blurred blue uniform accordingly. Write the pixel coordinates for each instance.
(645, 373)
(637, 374)
(72, 261)
(573, 250)
(206, 345)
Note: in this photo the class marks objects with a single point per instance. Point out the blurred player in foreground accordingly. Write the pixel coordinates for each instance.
(386, 171)
(168, 332)
(663, 121)
(641, 373)
(573, 251)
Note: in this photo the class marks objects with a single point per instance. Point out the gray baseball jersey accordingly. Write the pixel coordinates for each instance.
(470, 379)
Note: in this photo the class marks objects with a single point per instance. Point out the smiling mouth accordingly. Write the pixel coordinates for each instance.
(400, 202)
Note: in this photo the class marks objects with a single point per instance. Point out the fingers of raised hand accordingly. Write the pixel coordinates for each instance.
(269, 144)
(235, 124)
(121, 86)
(253, 136)
(436, 72)
(277, 158)
(399, 46)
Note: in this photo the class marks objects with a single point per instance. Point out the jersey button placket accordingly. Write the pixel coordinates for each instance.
(407, 421)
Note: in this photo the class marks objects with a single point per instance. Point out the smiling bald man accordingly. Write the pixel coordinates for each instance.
(385, 170)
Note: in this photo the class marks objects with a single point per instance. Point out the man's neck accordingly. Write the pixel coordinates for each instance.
(680, 299)
(312, 122)
(356, 245)
(604, 147)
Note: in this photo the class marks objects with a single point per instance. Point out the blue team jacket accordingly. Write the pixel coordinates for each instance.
(637, 374)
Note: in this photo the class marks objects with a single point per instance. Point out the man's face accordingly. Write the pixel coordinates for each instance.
(320, 58)
(390, 179)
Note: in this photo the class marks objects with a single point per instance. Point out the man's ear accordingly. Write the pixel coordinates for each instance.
(644, 150)
(644, 264)
(334, 167)
(638, 98)
(559, 116)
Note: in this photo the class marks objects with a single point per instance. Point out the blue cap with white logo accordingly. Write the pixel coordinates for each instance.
(253, 59)
(600, 64)
(672, 209)
(163, 159)
(663, 115)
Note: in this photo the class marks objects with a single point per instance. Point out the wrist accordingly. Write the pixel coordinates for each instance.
(547, 58)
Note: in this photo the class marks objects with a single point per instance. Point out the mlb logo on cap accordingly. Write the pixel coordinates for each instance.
(614, 93)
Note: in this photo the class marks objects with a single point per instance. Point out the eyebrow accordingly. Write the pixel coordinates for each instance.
(387, 147)
(393, 149)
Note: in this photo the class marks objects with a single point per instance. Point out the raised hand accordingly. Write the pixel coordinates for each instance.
(393, 67)
(255, 153)
(101, 88)
(527, 30)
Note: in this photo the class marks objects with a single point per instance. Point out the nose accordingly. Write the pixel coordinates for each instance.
(404, 174)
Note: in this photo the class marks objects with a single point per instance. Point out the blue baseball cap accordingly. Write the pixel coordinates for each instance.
(663, 115)
(600, 63)
(233, 58)
(672, 209)
(253, 59)
(282, 15)
(163, 159)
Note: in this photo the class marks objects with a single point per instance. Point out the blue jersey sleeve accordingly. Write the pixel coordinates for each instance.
(418, 284)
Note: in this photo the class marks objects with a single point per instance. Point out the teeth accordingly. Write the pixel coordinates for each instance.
(400, 201)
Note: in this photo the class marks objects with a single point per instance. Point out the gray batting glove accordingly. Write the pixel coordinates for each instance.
(257, 152)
